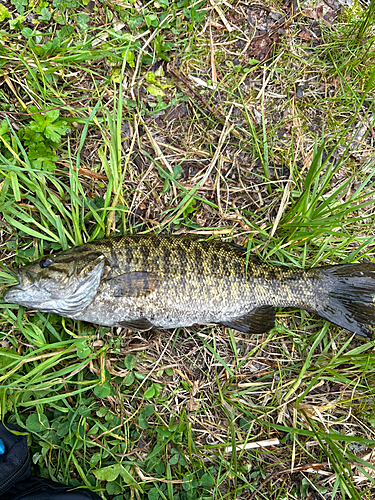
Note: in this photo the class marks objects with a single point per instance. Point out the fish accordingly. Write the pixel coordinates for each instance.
(168, 281)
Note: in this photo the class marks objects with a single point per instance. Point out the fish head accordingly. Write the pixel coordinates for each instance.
(64, 283)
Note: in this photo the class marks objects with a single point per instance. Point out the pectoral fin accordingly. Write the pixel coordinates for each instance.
(258, 320)
(141, 324)
(134, 284)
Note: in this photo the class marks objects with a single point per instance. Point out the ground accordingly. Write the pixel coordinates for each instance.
(248, 122)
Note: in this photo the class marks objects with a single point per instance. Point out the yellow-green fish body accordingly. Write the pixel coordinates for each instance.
(166, 281)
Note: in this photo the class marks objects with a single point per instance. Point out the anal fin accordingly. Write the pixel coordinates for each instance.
(258, 320)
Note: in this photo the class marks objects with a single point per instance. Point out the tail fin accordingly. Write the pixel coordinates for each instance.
(350, 302)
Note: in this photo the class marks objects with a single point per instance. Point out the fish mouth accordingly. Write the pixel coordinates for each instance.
(15, 288)
(31, 297)
(18, 274)
(16, 294)
(26, 279)
(26, 293)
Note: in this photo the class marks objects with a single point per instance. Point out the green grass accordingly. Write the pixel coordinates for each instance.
(87, 149)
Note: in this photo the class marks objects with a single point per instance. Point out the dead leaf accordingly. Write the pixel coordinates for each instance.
(192, 404)
(261, 47)
(304, 34)
(322, 9)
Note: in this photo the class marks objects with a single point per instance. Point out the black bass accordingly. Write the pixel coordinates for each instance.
(142, 281)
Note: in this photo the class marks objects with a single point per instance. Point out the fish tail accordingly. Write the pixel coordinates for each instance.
(349, 302)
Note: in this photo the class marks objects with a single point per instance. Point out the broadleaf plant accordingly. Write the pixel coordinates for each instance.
(42, 136)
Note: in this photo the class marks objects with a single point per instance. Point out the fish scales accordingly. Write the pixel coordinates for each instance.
(206, 271)
(168, 281)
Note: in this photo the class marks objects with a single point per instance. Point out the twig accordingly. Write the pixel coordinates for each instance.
(255, 444)
(149, 478)
(226, 130)
(221, 15)
(159, 152)
(217, 114)
(198, 96)
(316, 466)
(213, 62)
(153, 368)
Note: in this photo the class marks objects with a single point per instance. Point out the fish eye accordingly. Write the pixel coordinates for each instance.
(45, 262)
